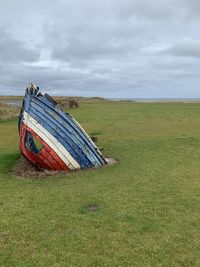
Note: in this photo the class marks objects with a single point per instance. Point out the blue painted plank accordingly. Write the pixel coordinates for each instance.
(70, 146)
(68, 121)
(65, 135)
(64, 128)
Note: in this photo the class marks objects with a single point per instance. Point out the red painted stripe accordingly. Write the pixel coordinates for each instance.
(46, 158)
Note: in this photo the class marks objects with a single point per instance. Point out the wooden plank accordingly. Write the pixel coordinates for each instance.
(58, 148)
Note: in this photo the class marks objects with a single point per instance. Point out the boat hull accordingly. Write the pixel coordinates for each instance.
(51, 139)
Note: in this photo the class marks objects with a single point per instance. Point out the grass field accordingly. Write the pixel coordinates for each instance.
(147, 205)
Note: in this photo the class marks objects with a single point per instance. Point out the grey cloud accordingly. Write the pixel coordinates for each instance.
(77, 48)
(148, 10)
(185, 48)
(113, 48)
(13, 50)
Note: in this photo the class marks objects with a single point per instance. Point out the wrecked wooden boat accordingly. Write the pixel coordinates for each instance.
(51, 139)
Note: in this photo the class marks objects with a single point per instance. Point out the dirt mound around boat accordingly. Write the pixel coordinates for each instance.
(23, 169)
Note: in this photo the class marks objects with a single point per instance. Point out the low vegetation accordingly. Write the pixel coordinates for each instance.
(142, 211)
(7, 112)
(67, 102)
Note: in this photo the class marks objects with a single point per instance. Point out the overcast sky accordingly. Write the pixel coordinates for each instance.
(110, 48)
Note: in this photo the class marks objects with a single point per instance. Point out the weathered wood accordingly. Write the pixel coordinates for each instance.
(66, 145)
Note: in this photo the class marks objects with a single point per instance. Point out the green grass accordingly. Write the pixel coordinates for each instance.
(143, 211)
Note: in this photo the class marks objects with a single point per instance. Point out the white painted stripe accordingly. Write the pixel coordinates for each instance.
(87, 135)
(55, 145)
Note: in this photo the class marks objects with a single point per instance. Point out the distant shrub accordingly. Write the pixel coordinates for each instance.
(67, 102)
(73, 103)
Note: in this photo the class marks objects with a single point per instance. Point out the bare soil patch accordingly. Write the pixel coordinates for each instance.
(24, 169)
(92, 207)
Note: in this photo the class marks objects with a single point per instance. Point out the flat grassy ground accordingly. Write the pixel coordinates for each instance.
(148, 205)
